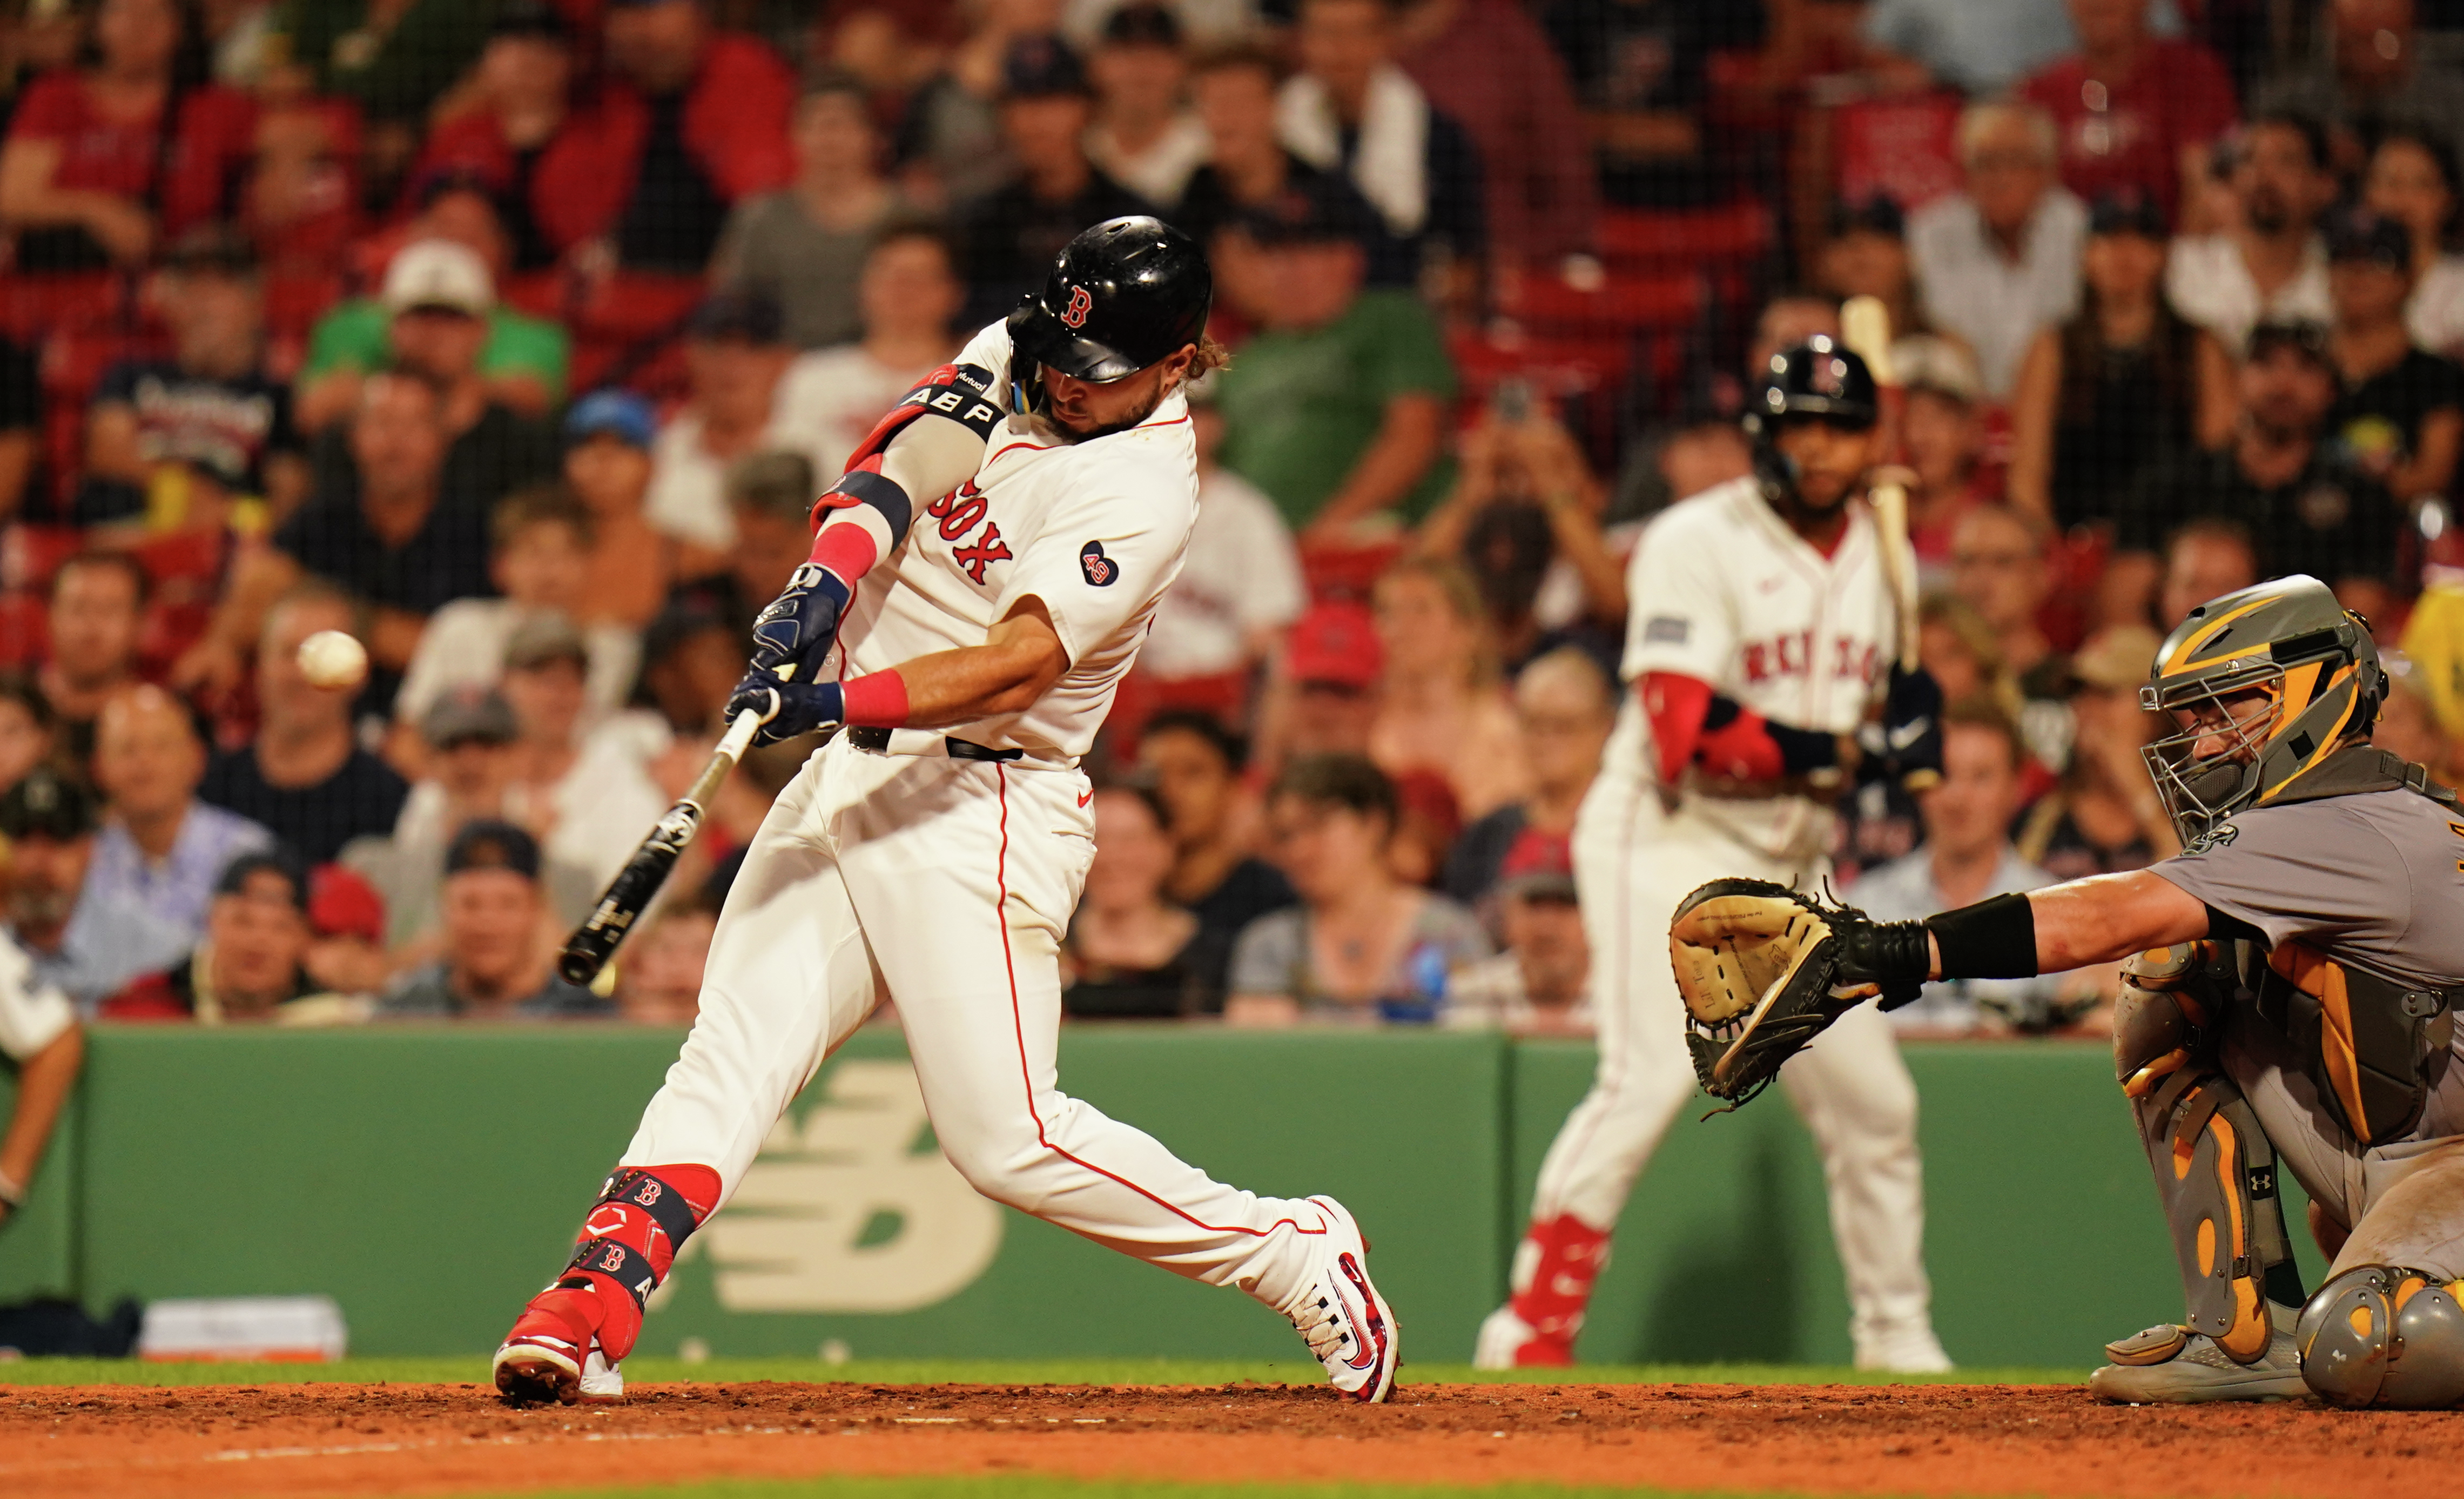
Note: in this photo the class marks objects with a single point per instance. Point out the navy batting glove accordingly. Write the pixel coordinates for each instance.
(1907, 744)
(797, 628)
(787, 709)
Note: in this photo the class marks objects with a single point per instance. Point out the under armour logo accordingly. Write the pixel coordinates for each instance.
(1074, 316)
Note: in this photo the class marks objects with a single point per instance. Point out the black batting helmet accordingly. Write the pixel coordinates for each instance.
(1818, 378)
(1121, 296)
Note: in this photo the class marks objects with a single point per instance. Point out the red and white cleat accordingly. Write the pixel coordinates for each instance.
(1340, 1315)
(553, 1354)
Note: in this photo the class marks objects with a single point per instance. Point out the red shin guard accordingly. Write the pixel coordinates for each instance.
(1554, 1270)
(625, 1250)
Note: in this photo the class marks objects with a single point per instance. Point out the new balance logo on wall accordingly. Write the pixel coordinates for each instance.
(854, 1209)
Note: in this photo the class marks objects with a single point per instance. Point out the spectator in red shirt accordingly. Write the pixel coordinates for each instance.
(693, 120)
(2136, 110)
(89, 177)
(521, 110)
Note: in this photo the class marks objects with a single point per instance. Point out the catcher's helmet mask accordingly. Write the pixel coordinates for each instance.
(1121, 297)
(1818, 381)
(2269, 681)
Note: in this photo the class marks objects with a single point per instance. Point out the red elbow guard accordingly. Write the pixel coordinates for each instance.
(1675, 704)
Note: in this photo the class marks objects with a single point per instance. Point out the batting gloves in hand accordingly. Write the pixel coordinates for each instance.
(797, 628)
(787, 709)
(1908, 742)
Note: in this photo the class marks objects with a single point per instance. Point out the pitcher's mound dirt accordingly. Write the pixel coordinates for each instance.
(122, 1443)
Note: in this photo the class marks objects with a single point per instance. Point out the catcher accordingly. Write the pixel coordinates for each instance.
(2293, 994)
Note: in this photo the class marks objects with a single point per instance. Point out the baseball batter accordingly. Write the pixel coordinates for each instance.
(2290, 996)
(1760, 633)
(979, 585)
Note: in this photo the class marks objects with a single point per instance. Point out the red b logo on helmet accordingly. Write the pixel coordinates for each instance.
(1074, 316)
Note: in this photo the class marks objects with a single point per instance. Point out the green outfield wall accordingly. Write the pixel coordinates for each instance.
(429, 1179)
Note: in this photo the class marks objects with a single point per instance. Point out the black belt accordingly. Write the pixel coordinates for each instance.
(877, 740)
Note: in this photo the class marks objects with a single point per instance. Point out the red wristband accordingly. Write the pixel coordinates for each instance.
(878, 701)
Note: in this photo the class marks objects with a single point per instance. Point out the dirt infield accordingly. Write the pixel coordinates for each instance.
(204, 1443)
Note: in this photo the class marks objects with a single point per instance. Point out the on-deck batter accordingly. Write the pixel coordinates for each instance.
(1032, 503)
(1759, 629)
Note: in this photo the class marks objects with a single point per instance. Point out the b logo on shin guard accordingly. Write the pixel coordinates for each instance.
(620, 1263)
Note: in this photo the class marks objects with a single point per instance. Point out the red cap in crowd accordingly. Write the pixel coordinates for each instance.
(1337, 643)
(342, 904)
(1538, 866)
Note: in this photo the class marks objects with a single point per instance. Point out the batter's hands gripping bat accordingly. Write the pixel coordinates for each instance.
(1865, 327)
(630, 893)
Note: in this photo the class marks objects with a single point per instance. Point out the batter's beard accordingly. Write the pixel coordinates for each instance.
(1053, 420)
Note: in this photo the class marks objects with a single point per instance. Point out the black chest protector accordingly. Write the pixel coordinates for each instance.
(2376, 1047)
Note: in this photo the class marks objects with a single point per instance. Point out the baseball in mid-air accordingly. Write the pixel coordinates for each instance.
(333, 659)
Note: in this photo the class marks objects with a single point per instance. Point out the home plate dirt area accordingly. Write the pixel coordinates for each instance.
(110, 1441)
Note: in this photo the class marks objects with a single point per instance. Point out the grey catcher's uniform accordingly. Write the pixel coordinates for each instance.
(2372, 879)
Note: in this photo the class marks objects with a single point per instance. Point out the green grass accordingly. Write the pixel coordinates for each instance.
(1092, 1371)
(1037, 1486)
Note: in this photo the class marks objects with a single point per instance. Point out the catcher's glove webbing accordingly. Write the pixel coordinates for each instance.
(1763, 969)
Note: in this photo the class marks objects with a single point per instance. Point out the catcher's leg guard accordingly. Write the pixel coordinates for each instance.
(2381, 1334)
(2215, 1176)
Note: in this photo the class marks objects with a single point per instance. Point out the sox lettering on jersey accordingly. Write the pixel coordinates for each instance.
(959, 511)
(1793, 655)
(987, 550)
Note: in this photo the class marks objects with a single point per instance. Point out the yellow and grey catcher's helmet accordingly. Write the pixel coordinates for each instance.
(2288, 639)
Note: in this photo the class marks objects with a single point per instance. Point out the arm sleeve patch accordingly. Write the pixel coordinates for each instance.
(964, 393)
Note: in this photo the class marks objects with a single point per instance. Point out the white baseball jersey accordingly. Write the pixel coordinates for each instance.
(32, 1013)
(1095, 529)
(1721, 589)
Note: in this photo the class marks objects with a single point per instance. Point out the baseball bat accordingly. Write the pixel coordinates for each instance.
(637, 884)
(1865, 327)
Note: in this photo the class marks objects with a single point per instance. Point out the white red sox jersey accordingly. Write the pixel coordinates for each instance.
(1721, 589)
(1095, 529)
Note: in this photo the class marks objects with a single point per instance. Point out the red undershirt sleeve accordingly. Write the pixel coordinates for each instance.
(1675, 704)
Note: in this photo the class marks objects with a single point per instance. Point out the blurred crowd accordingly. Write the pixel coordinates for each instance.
(515, 337)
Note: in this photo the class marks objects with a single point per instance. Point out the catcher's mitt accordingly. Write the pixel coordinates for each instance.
(1763, 969)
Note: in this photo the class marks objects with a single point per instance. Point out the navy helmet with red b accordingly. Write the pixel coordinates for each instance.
(1822, 379)
(1122, 296)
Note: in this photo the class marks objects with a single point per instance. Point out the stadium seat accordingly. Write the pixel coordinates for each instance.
(183, 557)
(1346, 569)
(30, 553)
(31, 307)
(1644, 239)
(295, 299)
(1550, 307)
(23, 630)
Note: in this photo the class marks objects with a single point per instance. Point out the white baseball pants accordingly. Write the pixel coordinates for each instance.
(945, 884)
(1633, 864)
